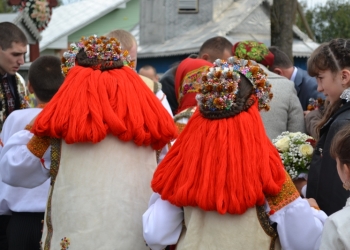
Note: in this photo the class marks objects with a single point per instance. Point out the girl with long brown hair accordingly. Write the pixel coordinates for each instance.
(330, 64)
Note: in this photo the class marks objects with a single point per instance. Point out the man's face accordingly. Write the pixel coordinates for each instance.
(12, 58)
(149, 73)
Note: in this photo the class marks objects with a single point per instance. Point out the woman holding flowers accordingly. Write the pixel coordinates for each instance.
(222, 185)
(330, 64)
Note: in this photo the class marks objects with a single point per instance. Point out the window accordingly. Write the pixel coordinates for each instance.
(188, 6)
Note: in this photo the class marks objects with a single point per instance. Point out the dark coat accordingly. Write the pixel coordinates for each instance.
(168, 87)
(306, 87)
(324, 184)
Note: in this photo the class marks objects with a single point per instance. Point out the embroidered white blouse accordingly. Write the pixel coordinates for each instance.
(299, 226)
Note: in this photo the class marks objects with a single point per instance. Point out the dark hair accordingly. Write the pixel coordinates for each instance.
(215, 47)
(340, 146)
(281, 60)
(146, 67)
(333, 56)
(10, 33)
(84, 61)
(244, 100)
(45, 76)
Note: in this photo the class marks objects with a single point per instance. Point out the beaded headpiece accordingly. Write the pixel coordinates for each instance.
(220, 87)
(100, 48)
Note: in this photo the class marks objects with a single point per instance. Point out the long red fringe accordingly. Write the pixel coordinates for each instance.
(90, 104)
(227, 165)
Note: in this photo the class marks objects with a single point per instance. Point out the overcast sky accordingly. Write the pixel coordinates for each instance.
(312, 3)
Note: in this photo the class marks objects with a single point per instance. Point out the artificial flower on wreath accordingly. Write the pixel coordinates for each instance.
(39, 11)
(295, 150)
(315, 104)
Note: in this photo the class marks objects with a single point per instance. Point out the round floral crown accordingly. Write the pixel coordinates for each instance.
(220, 86)
(39, 12)
(100, 48)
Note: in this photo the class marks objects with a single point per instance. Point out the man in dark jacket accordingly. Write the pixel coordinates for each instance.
(13, 46)
(305, 85)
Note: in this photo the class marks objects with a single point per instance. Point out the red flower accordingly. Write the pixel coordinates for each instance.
(312, 142)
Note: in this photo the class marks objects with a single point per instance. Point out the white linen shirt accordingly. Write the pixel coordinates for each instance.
(19, 199)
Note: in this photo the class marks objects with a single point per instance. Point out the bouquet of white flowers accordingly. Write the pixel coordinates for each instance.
(296, 151)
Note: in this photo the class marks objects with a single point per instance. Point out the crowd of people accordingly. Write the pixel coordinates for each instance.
(112, 158)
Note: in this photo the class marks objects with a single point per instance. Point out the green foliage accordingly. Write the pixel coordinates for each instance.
(4, 7)
(329, 21)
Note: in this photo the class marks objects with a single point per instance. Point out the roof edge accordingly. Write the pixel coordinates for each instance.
(85, 24)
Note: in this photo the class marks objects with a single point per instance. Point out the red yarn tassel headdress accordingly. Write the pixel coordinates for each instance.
(103, 98)
(224, 162)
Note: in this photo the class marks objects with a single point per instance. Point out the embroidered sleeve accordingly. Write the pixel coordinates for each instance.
(38, 145)
(287, 194)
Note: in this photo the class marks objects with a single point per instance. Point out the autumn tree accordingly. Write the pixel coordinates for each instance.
(5, 8)
(329, 21)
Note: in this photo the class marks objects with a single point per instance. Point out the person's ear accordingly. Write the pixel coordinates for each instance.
(345, 77)
(346, 170)
(278, 71)
(205, 56)
(30, 88)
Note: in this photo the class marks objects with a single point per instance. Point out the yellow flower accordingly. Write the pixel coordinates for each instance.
(306, 149)
(283, 144)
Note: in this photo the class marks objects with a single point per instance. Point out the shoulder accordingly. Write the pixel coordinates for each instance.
(341, 219)
(341, 119)
(306, 77)
(287, 195)
(150, 83)
(22, 116)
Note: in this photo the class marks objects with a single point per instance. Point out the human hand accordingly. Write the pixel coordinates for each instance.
(306, 112)
(313, 203)
(299, 184)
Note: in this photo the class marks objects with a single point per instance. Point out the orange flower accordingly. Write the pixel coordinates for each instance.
(218, 74)
(125, 53)
(208, 87)
(254, 70)
(219, 88)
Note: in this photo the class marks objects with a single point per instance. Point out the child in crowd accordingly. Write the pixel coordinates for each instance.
(222, 185)
(336, 233)
(28, 205)
(330, 64)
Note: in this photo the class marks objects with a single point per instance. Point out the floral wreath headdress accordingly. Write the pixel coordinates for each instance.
(100, 48)
(220, 87)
